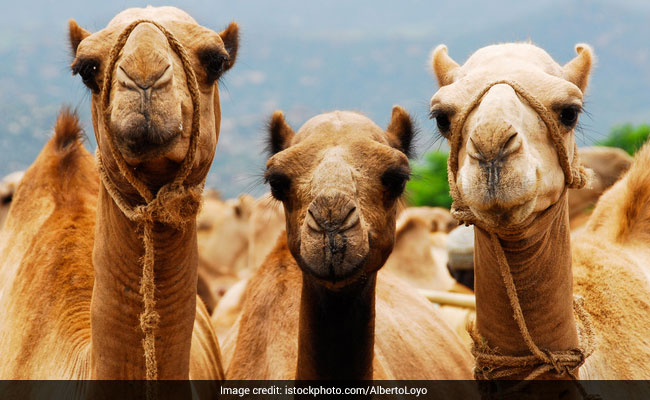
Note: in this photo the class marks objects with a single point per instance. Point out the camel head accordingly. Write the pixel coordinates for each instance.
(508, 167)
(339, 178)
(150, 103)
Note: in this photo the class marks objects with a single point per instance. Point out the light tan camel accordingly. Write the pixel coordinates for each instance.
(223, 240)
(419, 255)
(310, 309)
(609, 164)
(71, 262)
(266, 224)
(510, 113)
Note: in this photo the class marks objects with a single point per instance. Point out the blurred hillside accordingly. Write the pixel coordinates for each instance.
(310, 57)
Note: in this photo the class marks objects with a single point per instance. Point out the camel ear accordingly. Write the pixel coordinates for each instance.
(401, 131)
(244, 206)
(577, 70)
(76, 34)
(443, 65)
(280, 134)
(230, 37)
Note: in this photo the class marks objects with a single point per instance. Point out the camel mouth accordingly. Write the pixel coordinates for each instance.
(334, 275)
(140, 139)
(334, 258)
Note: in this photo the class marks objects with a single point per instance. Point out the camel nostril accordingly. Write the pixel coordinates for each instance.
(164, 78)
(473, 151)
(351, 220)
(144, 82)
(332, 214)
(511, 145)
(312, 222)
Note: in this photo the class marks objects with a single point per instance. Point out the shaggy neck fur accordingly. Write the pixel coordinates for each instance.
(337, 331)
(539, 257)
(117, 351)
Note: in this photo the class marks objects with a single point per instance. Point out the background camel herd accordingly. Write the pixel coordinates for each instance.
(326, 276)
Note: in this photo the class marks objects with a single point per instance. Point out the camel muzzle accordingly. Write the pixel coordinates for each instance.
(334, 243)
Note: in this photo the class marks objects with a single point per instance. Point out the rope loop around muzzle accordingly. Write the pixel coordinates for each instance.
(174, 204)
(576, 175)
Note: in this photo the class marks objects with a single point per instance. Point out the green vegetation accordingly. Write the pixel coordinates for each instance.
(628, 137)
(429, 186)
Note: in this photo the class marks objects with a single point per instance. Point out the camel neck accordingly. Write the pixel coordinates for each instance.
(539, 258)
(117, 304)
(337, 331)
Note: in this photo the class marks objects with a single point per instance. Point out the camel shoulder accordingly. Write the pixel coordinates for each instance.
(266, 341)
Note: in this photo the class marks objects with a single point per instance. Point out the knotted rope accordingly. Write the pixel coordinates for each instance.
(490, 364)
(174, 204)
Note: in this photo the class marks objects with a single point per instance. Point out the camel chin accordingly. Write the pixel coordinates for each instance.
(503, 217)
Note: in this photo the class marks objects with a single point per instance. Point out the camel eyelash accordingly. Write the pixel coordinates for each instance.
(87, 68)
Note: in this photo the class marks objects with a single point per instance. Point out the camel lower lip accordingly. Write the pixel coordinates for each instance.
(502, 216)
(330, 274)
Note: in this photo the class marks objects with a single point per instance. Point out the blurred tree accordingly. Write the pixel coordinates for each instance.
(428, 185)
(628, 137)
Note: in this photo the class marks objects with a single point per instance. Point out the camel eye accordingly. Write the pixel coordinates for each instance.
(214, 63)
(442, 121)
(394, 180)
(569, 115)
(280, 185)
(87, 69)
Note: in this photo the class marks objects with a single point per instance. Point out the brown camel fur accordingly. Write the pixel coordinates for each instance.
(510, 176)
(265, 225)
(72, 264)
(316, 308)
(609, 164)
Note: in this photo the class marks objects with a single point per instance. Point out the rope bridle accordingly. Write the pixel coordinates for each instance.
(489, 364)
(174, 204)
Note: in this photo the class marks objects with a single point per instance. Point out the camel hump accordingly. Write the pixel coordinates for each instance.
(68, 134)
(65, 149)
(636, 201)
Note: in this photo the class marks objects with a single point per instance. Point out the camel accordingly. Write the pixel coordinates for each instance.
(266, 224)
(509, 113)
(419, 255)
(316, 308)
(8, 186)
(608, 164)
(223, 240)
(71, 259)
(233, 237)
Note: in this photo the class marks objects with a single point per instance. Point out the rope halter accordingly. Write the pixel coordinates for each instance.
(490, 364)
(575, 174)
(174, 204)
